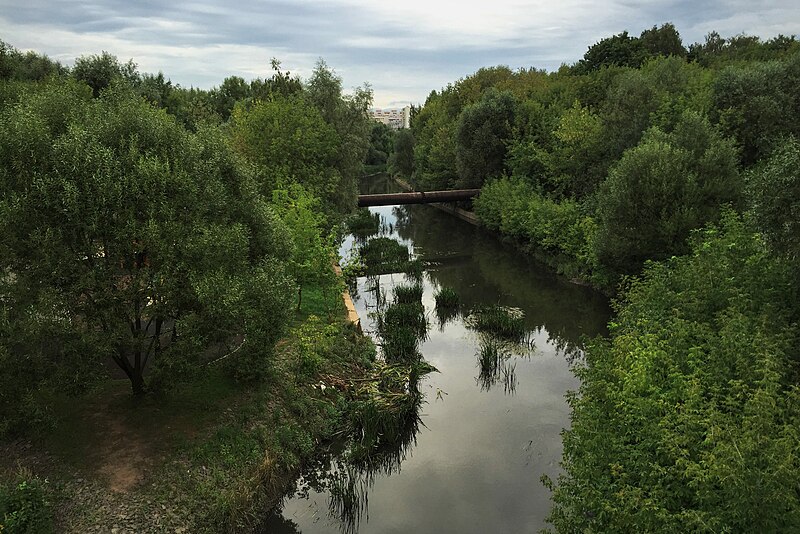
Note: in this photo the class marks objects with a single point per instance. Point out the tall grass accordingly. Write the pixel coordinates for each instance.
(494, 366)
(384, 255)
(446, 297)
(503, 322)
(411, 316)
(408, 294)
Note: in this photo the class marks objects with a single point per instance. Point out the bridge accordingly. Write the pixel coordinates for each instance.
(416, 197)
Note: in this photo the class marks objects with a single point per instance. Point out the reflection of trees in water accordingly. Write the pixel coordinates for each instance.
(357, 471)
(568, 312)
(496, 361)
(353, 464)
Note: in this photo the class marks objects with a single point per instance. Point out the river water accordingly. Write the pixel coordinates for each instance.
(475, 462)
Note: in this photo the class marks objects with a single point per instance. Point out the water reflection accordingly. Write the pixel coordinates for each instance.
(482, 431)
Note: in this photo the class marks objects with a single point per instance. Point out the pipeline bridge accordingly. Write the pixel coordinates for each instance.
(416, 197)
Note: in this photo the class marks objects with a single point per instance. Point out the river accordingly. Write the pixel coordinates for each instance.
(475, 462)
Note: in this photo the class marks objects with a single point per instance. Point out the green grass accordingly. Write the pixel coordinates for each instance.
(408, 294)
(320, 301)
(503, 322)
(400, 345)
(384, 254)
(493, 366)
(410, 316)
(446, 297)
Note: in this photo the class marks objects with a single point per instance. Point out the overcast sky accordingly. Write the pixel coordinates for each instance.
(403, 49)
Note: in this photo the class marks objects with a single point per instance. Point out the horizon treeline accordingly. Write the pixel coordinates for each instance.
(160, 228)
(670, 175)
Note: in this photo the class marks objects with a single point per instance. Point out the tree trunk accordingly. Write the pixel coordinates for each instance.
(137, 383)
(134, 375)
(299, 296)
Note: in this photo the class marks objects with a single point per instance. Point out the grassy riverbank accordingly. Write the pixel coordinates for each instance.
(208, 456)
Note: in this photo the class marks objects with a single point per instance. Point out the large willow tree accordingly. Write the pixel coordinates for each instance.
(125, 237)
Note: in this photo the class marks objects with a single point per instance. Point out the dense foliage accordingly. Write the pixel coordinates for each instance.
(670, 175)
(687, 419)
(139, 229)
(614, 160)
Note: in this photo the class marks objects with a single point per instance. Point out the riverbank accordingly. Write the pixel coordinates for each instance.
(439, 477)
(207, 456)
(559, 263)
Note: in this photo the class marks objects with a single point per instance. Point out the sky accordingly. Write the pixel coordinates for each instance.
(402, 49)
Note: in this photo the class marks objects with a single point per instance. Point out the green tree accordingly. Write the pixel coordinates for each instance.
(147, 243)
(686, 420)
(621, 49)
(233, 89)
(659, 191)
(347, 114)
(664, 40)
(312, 253)
(98, 71)
(481, 135)
(291, 143)
(380, 144)
(756, 104)
(774, 192)
(402, 157)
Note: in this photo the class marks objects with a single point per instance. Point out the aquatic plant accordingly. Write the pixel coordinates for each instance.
(446, 297)
(409, 315)
(414, 269)
(364, 223)
(494, 366)
(408, 294)
(400, 345)
(384, 255)
(504, 322)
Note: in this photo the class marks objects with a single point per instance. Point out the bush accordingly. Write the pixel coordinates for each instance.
(23, 506)
(686, 421)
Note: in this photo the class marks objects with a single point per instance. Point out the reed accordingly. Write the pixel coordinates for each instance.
(447, 298)
(503, 322)
(408, 294)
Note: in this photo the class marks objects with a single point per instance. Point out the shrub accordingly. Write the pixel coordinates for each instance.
(23, 506)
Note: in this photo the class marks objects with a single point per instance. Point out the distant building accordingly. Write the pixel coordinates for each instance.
(393, 118)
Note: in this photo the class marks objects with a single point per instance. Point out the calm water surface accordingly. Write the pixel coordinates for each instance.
(475, 463)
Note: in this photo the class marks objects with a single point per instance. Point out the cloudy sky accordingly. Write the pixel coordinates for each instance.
(403, 49)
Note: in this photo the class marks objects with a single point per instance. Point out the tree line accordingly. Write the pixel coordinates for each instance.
(669, 176)
(161, 228)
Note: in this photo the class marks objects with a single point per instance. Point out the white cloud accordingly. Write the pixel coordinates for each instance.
(405, 49)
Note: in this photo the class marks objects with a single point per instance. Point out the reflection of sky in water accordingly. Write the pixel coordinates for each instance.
(478, 459)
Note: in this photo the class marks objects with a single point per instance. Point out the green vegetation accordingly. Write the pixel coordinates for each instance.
(670, 176)
(23, 505)
(611, 162)
(686, 419)
(408, 294)
(382, 255)
(494, 366)
(505, 323)
(363, 223)
(183, 239)
(446, 297)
